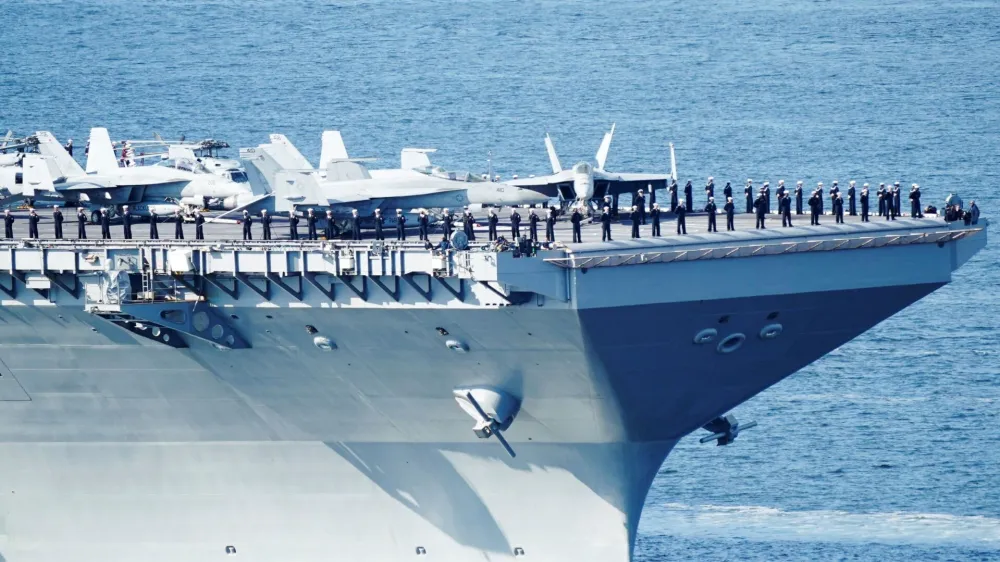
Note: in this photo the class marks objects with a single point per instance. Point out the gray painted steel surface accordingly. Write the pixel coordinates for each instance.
(117, 445)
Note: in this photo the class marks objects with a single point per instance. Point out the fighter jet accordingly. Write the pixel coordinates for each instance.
(105, 184)
(415, 164)
(347, 184)
(586, 181)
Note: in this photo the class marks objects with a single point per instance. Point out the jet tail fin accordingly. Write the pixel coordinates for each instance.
(36, 175)
(101, 157)
(413, 158)
(290, 156)
(345, 170)
(50, 148)
(333, 148)
(602, 151)
(180, 152)
(553, 157)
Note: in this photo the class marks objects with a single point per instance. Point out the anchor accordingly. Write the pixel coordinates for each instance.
(494, 411)
(724, 429)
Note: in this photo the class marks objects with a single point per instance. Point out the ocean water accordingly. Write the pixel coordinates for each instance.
(887, 449)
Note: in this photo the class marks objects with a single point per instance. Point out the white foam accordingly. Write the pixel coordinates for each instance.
(767, 524)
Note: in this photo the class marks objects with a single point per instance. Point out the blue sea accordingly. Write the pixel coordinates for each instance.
(887, 449)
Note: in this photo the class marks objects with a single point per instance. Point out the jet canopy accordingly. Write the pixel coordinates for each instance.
(439, 172)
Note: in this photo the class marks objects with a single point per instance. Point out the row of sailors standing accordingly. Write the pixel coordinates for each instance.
(105, 222)
(888, 198)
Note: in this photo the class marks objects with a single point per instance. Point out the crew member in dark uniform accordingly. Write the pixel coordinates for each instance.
(311, 220)
(673, 195)
(636, 221)
(400, 225)
(710, 209)
(33, 219)
(864, 203)
(293, 225)
(896, 195)
(785, 208)
(760, 206)
(446, 224)
(851, 200)
(550, 226)
(153, 233)
(748, 192)
(355, 225)
(727, 191)
(915, 212)
(8, 224)
(767, 198)
(105, 225)
(834, 191)
(688, 196)
(533, 223)
(890, 209)
(710, 188)
(265, 224)
(199, 225)
(680, 211)
(798, 197)
(69, 147)
(57, 220)
(81, 224)
(779, 192)
(126, 222)
(492, 221)
(178, 226)
(328, 231)
(819, 191)
(654, 214)
(576, 218)
(247, 223)
(814, 207)
(515, 224)
(422, 222)
(606, 225)
(640, 204)
(469, 225)
(838, 208)
(880, 194)
(379, 223)
(730, 209)
(973, 212)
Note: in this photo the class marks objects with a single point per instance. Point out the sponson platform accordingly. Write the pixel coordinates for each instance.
(366, 401)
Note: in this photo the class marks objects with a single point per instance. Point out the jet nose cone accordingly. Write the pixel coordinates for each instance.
(582, 168)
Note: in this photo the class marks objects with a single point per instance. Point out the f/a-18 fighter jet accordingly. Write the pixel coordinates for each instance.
(415, 164)
(105, 184)
(585, 181)
(346, 184)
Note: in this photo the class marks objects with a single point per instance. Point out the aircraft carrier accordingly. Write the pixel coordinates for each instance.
(310, 400)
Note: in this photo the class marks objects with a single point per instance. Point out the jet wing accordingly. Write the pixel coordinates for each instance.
(607, 183)
(551, 186)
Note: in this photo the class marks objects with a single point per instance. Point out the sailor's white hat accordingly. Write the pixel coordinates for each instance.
(853, 182)
(399, 210)
(866, 185)
(710, 178)
(820, 184)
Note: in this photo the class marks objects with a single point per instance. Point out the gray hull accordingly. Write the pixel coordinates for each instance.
(118, 447)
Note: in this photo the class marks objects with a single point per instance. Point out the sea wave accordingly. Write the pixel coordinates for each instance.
(769, 524)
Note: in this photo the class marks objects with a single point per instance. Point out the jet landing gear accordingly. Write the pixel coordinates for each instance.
(724, 429)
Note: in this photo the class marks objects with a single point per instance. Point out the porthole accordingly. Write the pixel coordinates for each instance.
(217, 331)
(731, 343)
(707, 335)
(770, 331)
(200, 321)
